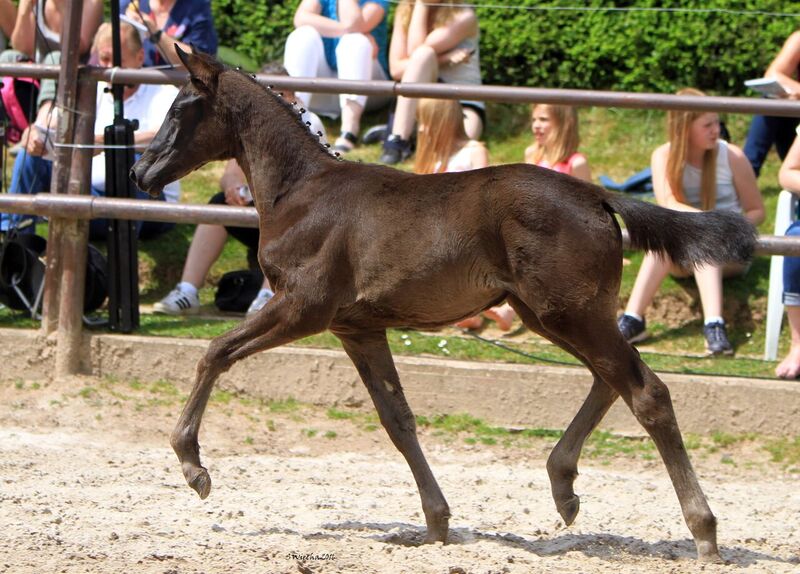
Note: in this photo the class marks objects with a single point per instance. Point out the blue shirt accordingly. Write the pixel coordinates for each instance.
(189, 21)
(379, 32)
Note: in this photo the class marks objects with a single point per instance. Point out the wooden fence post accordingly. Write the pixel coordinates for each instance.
(75, 238)
(66, 99)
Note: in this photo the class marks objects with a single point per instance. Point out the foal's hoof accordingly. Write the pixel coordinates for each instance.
(569, 509)
(437, 531)
(199, 480)
(708, 552)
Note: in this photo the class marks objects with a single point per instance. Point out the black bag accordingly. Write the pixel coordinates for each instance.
(237, 289)
(22, 271)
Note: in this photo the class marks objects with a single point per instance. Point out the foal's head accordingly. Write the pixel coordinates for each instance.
(196, 130)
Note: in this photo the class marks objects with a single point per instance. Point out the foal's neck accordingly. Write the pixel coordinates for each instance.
(275, 148)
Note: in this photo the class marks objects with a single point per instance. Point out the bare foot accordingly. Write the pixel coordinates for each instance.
(471, 323)
(502, 315)
(789, 367)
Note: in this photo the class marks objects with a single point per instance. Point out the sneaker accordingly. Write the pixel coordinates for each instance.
(345, 142)
(632, 328)
(395, 150)
(259, 302)
(717, 339)
(178, 303)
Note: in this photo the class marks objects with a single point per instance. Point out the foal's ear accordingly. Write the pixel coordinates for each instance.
(203, 69)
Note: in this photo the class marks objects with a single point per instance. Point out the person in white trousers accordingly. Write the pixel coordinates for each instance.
(345, 39)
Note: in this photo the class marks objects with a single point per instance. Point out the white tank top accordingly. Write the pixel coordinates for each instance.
(461, 160)
(727, 198)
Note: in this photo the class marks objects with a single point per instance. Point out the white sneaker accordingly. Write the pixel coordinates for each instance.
(259, 302)
(178, 303)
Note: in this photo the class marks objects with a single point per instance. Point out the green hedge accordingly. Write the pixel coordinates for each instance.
(631, 51)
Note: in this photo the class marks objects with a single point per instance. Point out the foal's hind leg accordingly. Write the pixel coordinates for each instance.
(562, 464)
(620, 366)
(274, 325)
(371, 356)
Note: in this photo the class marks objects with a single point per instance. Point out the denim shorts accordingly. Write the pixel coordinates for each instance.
(791, 271)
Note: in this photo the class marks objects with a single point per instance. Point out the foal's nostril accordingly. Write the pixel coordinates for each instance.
(132, 175)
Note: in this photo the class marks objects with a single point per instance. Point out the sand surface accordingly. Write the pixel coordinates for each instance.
(88, 483)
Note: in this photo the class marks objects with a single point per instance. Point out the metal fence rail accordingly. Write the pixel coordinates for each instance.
(507, 94)
(90, 207)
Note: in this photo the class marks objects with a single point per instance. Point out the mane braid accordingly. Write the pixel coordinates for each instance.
(292, 109)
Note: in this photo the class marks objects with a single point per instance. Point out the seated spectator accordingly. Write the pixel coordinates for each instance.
(695, 171)
(147, 103)
(345, 39)
(8, 16)
(789, 367)
(37, 37)
(444, 147)
(185, 22)
(209, 240)
(768, 130)
(430, 43)
(556, 141)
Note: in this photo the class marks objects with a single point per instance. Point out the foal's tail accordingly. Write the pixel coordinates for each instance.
(687, 238)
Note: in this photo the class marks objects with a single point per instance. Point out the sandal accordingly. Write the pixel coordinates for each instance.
(345, 142)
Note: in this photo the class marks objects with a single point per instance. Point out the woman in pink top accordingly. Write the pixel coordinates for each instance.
(556, 140)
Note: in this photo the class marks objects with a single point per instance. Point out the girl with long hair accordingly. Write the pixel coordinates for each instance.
(432, 41)
(556, 141)
(695, 171)
(444, 146)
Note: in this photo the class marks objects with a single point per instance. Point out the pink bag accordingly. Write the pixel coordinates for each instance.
(19, 101)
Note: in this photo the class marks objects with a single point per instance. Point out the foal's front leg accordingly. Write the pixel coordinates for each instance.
(281, 321)
(371, 356)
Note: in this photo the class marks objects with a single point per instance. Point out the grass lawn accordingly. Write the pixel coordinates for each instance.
(618, 143)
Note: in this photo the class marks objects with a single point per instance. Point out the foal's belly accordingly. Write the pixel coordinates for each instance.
(422, 302)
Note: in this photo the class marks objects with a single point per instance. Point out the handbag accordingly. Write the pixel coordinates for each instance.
(22, 270)
(237, 289)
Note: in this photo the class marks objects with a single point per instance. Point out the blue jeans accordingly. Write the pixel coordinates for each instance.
(791, 272)
(32, 174)
(766, 131)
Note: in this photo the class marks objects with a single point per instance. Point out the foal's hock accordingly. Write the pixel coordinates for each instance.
(358, 248)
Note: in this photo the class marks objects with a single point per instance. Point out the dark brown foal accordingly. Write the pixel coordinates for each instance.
(358, 248)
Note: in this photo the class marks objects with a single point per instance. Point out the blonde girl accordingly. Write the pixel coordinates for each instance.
(695, 171)
(556, 141)
(442, 142)
(432, 41)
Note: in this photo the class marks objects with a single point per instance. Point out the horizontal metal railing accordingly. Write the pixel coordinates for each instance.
(90, 207)
(507, 94)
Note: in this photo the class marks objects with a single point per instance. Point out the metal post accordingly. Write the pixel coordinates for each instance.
(123, 259)
(66, 98)
(75, 239)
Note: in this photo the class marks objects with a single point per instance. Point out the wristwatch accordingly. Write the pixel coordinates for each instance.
(155, 37)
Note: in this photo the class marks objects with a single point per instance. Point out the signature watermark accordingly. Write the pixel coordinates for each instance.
(311, 556)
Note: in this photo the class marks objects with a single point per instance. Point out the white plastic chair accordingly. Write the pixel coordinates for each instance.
(784, 216)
